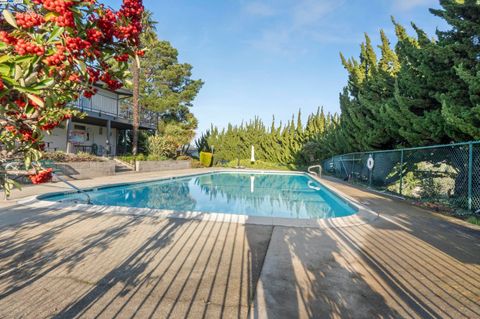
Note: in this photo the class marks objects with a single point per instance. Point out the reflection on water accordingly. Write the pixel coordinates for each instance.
(275, 195)
(295, 196)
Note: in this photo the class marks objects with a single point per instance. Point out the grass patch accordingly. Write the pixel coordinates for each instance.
(474, 220)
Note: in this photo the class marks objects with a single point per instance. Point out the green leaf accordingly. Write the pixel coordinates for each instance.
(4, 58)
(32, 78)
(18, 72)
(75, 10)
(36, 100)
(10, 18)
(24, 58)
(7, 79)
(28, 161)
(45, 84)
(36, 155)
(51, 15)
(82, 65)
(55, 33)
(27, 90)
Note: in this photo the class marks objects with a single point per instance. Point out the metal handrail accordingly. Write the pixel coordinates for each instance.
(311, 186)
(310, 170)
(89, 200)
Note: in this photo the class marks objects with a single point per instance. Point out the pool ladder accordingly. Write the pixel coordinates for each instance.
(311, 171)
(89, 200)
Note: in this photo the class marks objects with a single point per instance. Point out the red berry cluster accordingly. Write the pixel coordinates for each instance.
(11, 129)
(65, 19)
(90, 92)
(29, 19)
(130, 31)
(23, 47)
(132, 10)
(111, 82)
(93, 75)
(140, 52)
(49, 126)
(20, 103)
(94, 35)
(122, 58)
(43, 176)
(74, 77)
(58, 57)
(77, 44)
(2, 86)
(27, 134)
(59, 6)
(106, 23)
(7, 38)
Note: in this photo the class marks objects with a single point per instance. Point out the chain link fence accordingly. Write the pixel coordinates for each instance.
(444, 174)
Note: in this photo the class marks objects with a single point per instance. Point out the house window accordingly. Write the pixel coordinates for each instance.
(100, 130)
(83, 132)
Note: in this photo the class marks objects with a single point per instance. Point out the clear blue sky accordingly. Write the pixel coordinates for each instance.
(274, 57)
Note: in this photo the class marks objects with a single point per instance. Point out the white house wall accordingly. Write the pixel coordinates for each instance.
(57, 140)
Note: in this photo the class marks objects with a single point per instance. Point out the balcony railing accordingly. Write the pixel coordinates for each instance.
(123, 109)
(147, 118)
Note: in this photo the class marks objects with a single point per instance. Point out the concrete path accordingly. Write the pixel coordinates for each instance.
(76, 264)
(67, 264)
(407, 264)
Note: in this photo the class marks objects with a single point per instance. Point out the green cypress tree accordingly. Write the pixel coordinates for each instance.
(416, 111)
(460, 53)
(377, 91)
(359, 120)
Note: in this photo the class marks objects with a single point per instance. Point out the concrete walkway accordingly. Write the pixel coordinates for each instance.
(66, 264)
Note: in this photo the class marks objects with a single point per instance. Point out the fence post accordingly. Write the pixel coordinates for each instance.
(371, 172)
(401, 172)
(470, 172)
(353, 167)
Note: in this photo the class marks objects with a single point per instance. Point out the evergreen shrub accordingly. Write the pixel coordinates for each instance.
(206, 159)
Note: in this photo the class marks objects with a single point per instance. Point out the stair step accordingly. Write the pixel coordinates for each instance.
(121, 167)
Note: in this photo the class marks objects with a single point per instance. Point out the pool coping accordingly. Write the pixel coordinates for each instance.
(364, 215)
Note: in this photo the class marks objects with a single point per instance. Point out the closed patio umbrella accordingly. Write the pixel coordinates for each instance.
(252, 158)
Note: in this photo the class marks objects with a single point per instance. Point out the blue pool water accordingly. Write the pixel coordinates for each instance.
(253, 194)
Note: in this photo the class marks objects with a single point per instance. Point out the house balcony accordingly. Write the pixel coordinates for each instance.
(114, 107)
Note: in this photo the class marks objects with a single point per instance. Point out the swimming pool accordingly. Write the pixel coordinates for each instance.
(286, 195)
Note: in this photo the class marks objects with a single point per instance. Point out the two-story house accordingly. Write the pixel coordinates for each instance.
(108, 116)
